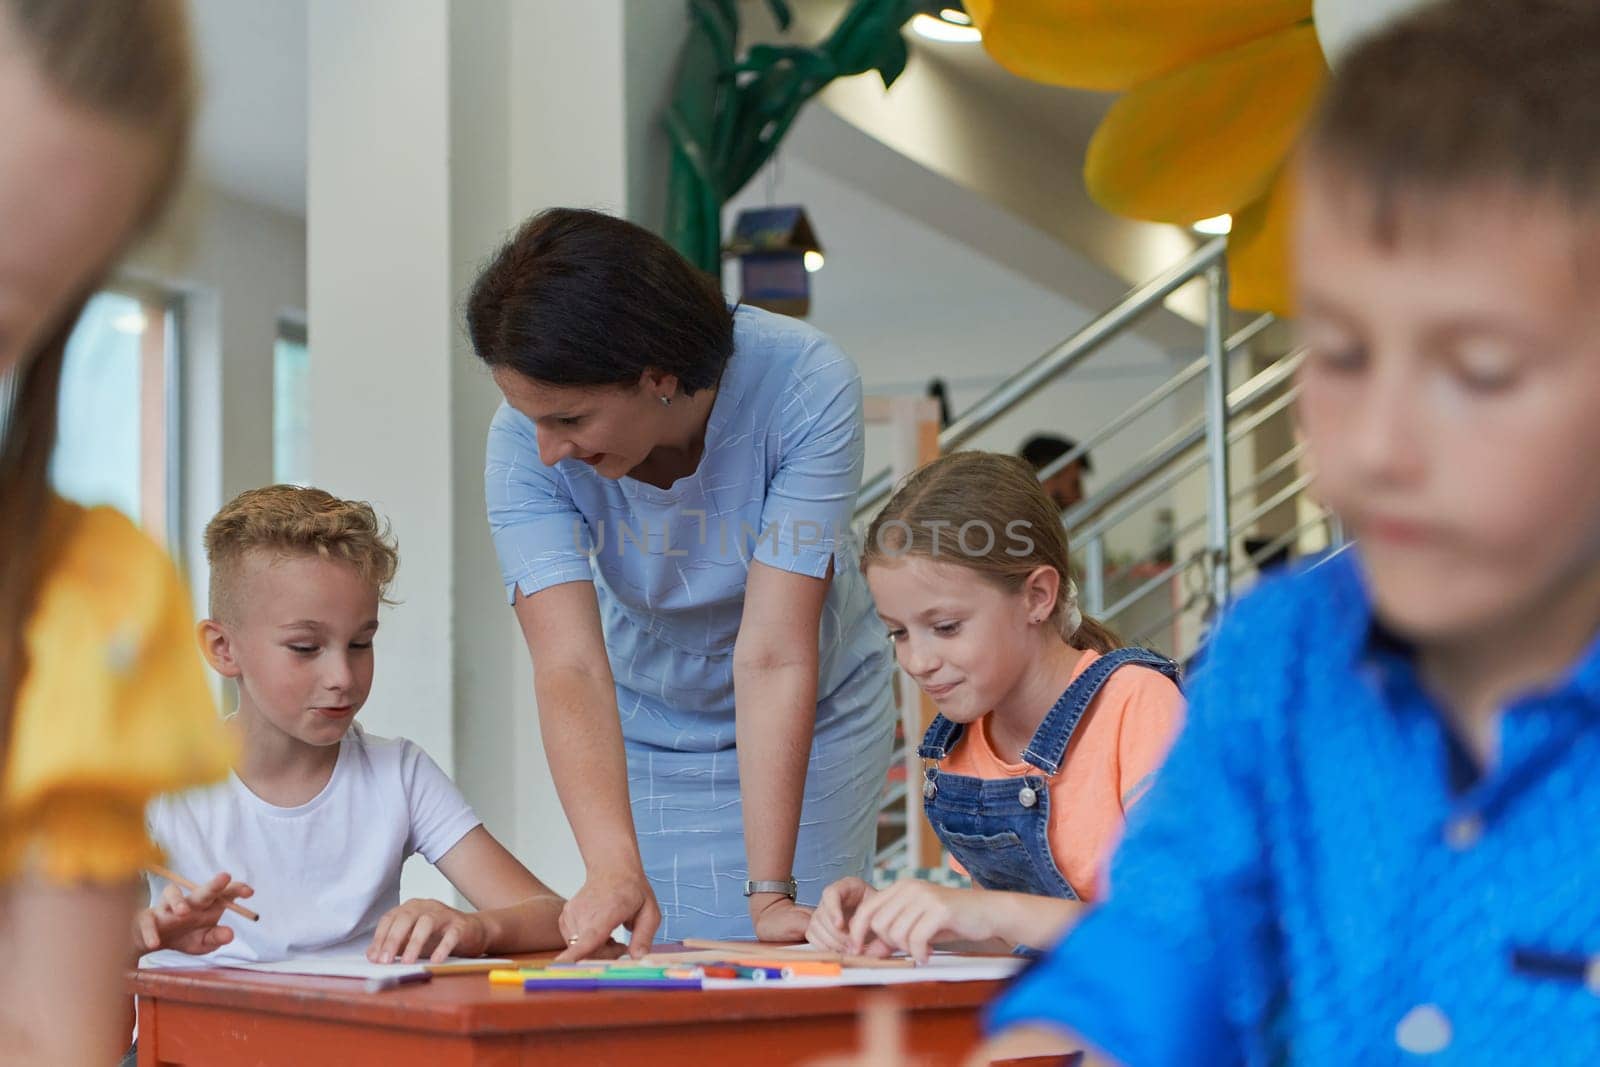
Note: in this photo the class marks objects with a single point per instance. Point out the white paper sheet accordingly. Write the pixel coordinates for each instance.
(356, 966)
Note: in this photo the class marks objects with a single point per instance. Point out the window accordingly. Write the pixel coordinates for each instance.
(116, 440)
(291, 406)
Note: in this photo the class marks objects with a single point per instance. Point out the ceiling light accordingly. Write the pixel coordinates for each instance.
(1216, 226)
(941, 29)
(129, 322)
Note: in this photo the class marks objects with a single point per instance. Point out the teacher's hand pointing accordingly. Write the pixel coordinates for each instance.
(607, 900)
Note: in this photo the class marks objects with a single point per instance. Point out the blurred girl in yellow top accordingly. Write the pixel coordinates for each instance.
(102, 698)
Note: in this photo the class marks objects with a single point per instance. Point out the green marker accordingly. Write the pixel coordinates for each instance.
(634, 972)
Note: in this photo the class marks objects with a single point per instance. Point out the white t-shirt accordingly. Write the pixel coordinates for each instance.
(325, 872)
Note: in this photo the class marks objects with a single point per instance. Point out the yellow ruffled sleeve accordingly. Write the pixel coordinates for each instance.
(113, 709)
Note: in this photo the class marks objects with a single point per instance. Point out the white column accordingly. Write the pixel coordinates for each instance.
(435, 128)
(380, 323)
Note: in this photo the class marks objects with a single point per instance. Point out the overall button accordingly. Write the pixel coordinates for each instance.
(1424, 1030)
(1463, 832)
(928, 788)
(1027, 797)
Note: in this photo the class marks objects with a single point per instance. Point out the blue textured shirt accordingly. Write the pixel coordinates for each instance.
(1314, 879)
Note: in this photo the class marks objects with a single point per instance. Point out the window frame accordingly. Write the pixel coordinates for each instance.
(160, 413)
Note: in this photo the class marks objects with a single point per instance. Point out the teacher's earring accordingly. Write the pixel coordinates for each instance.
(666, 401)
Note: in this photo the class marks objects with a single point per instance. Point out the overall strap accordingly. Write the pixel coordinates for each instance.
(941, 735)
(1049, 744)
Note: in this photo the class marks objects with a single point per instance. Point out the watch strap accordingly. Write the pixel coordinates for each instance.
(788, 887)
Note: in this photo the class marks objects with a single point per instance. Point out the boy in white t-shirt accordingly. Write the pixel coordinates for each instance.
(318, 816)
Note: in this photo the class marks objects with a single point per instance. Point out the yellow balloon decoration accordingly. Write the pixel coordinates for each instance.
(1216, 92)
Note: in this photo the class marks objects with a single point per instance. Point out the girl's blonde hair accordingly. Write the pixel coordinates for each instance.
(985, 512)
(291, 520)
(128, 60)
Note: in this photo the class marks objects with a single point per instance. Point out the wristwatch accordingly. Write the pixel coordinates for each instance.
(788, 887)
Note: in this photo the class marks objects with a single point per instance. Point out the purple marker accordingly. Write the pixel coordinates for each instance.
(532, 984)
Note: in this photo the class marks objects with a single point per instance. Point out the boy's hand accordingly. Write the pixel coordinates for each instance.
(429, 927)
(189, 923)
(909, 915)
(830, 923)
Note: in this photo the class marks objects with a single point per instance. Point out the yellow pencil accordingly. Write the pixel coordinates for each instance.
(786, 954)
(180, 880)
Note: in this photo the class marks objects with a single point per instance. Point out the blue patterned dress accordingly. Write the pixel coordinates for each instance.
(777, 483)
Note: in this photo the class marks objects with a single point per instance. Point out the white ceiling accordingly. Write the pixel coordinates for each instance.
(1072, 114)
(252, 135)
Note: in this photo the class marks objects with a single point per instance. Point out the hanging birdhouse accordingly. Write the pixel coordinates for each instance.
(778, 253)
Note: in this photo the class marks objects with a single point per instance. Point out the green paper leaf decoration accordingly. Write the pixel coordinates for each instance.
(728, 115)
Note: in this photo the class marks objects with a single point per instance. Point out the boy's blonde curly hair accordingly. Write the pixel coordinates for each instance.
(291, 520)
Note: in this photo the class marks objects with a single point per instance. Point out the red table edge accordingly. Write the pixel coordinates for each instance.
(422, 1008)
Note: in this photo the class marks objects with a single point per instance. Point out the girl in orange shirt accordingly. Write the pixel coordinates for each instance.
(1048, 731)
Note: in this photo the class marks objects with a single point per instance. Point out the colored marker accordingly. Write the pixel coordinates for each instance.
(634, 972)
(795, 968)
(505, 976)
(540, 985)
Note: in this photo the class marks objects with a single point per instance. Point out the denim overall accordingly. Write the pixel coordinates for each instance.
(998, 828)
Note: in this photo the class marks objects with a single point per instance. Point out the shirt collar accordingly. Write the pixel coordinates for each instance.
(1373, 647)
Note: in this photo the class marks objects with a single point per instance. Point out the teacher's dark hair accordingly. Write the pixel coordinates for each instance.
(581, 298)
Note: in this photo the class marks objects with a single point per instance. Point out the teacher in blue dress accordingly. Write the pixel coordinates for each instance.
(670, 488)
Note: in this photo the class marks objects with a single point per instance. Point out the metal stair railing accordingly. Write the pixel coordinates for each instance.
(1060, 359)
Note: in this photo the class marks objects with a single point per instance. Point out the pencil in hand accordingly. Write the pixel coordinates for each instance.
(181, 881)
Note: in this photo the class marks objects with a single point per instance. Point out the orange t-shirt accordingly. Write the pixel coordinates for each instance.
(1111, 760)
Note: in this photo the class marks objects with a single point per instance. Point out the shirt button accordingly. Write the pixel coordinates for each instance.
(1463, 832)
(1027, 797)
(1424, 1030)
(122, 652)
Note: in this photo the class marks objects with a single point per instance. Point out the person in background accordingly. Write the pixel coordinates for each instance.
(1065, 487)
(938, 390)
(103, 700)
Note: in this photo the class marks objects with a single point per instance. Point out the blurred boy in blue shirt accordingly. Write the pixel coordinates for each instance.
(1378, 839)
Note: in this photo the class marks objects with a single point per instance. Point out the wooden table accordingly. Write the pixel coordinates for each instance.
(197, 1018)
